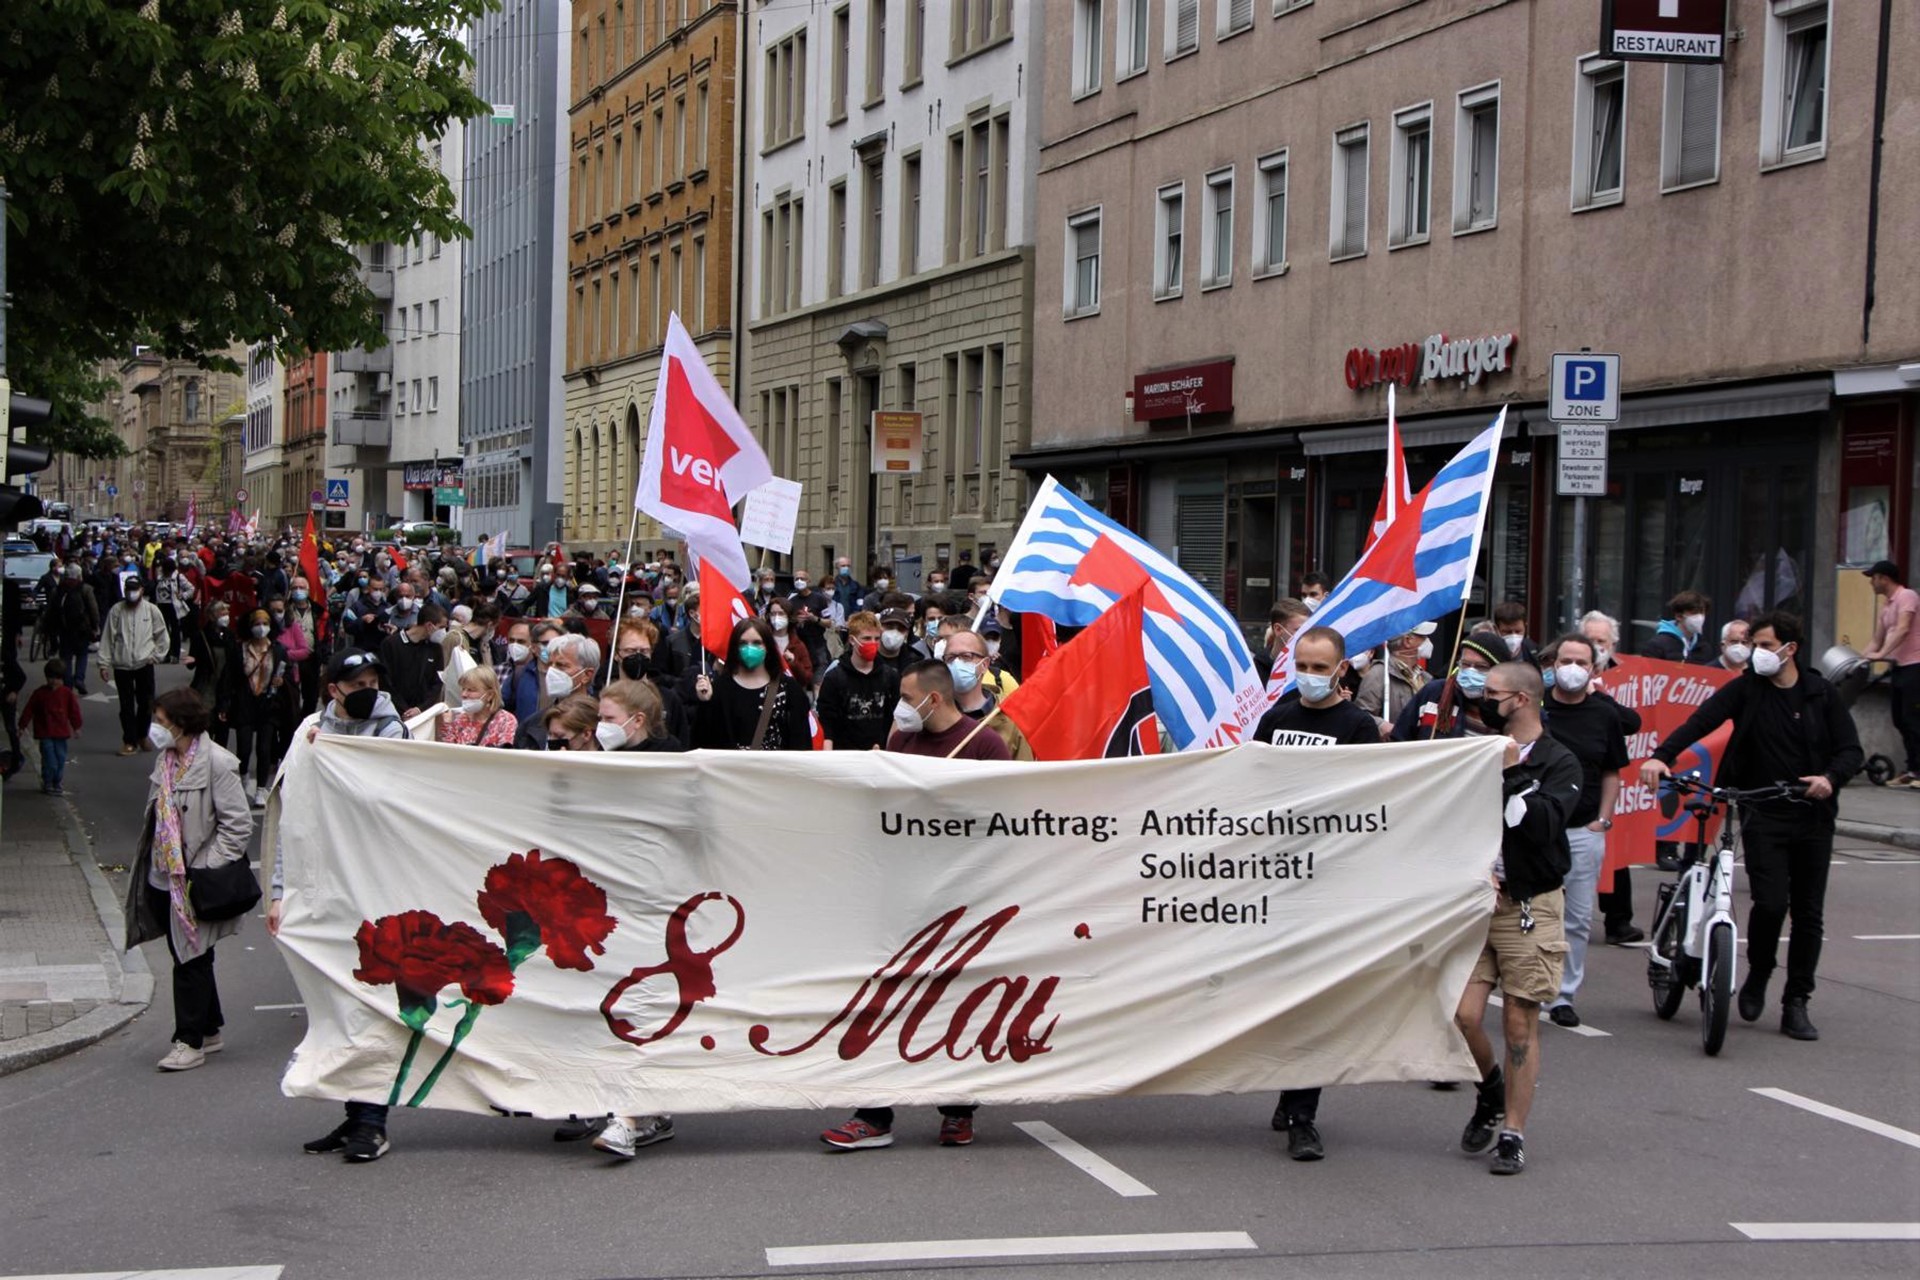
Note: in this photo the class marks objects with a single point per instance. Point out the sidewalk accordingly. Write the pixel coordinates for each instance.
(64, 982)
(1889, 815)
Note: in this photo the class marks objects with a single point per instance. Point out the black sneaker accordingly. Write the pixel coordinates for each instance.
(1794, 1023)
(1563, 1015)
(1753, 996)
(1510, 1157)
(333, 1142)
(573, 1128)
(1625, 936)
(364, 1144)
(1489, 1109)
(1303, 1141)
(1280, 1118)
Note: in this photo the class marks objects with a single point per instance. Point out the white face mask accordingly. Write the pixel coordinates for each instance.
(1362, 659)
(559, 683)
(940, 650)
(260, 631)
(1737, 654)
(161, 738)
(1312, 603)
(892, 641)
(779, 621)
(907, 718)
(1768, 662)
(993, 648)
(1571, 676)
(1514, 643)
(471, 706)
(1693, 622)
(518, 653)
(438, 635)
(1426, 650)
(799, 584)
(881, 584)
(1602, 655)
(612, 736)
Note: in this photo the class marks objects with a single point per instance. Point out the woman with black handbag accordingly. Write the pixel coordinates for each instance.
(191, 881)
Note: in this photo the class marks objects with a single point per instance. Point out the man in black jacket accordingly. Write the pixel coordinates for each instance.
(1526, 941)
(1788, 724)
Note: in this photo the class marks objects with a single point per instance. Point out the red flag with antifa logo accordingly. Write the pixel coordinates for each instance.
(720, 607)
(1038, 642)
(1092, 701)
(316, 587)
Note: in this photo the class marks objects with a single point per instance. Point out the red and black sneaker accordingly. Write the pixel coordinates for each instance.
(857, 1135)
(956, 1131)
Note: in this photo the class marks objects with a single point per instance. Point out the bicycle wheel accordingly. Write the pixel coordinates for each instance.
(1716, 988)
(1666, 980)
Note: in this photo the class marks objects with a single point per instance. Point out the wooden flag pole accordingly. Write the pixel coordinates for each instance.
(962, 744)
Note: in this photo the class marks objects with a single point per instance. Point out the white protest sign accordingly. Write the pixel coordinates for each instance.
(619, 933)
(770, 513)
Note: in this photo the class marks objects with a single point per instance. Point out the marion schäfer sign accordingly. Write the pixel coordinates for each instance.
(585, 934)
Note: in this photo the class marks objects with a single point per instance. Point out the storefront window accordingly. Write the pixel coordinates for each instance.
(1869, 465)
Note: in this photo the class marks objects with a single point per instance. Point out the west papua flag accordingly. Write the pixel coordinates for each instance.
(1093, 700)
(700, 459)
(720, 608)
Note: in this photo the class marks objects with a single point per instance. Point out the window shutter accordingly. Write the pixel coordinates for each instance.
(1239, 14)
(1186, 25)
(1353, 226)
(1699, 124)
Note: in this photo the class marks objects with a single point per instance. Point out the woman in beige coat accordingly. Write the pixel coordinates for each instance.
(197, 816)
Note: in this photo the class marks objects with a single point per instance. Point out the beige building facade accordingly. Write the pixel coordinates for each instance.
(1253, 217)
(177, 420)
(651, 209)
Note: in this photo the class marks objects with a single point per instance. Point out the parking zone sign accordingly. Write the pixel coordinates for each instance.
(1586, 388)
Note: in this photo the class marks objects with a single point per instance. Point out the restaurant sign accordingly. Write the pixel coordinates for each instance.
(444, 474)
(1438, 359)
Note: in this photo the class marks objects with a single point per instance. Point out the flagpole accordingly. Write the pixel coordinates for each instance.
(1393, 503)
(626, 571)
(992, 711)
(1473, 559)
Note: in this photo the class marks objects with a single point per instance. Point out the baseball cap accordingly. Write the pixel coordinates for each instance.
(1423, 628)
(351, 662)
(1887, 567)
(897, 617)
(589, 590)
(989, 625)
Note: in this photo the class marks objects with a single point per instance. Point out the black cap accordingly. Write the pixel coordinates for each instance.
(1887, 567)
(350, 662)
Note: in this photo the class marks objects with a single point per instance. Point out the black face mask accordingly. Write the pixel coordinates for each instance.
(1492, 716)
(634, 666)
(360, 703)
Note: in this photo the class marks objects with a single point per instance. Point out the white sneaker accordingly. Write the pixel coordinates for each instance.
(184, 1057)
(212, 1043)
(616, 1139)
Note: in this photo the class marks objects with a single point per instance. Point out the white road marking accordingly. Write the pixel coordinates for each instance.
(275, 1008)
(1886, 937)
(1101, 1170)
(1844, 1117)
(167, 1273)
(1592, 1033)
(1007, 1247)
(1828, 1230)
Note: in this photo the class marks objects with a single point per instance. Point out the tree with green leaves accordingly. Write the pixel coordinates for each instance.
(194, 173)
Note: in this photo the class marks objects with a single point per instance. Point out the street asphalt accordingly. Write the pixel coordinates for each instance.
(1645, 1156)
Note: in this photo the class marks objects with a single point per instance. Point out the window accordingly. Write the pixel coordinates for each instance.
(192, 398)
(876, 50)
(1476, 159)
(1599, 133)
(1183, 27)
(417, 397)
(836, 238)
(433, 241)
(979, 23)
(1235, 16)
(1216, 233)
(702, 121)
(616, 318)
(1130, 41)
(842, 39)
(637, 157)
(979, 193)
(658, 303)
(1270, 216)
(1690, 127)
(997, 198)
(1409, 216)
(1086, 47)
(956, 194)
(785, 107)
(660, 174)
(699, 307)
(433, 317)
(1169, 238)
(433, 395)
(419, 320)
(678, 283)
(1083, 263)
(916, 43)
(1348, 218)
(400, 388)
(781, 232)
(680, 137)
(619, 172)
(1794, 93)
(873, 191)
(910, 214)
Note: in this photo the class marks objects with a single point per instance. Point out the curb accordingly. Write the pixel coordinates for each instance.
(1899, 837)
(128, 976)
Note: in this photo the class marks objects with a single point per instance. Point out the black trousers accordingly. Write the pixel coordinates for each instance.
(173, 632)
(196, 997)
(1787, 859)
(1300, 1104)
(136, 703)
(1906, 712)
(882, 1117)
(1616, 905)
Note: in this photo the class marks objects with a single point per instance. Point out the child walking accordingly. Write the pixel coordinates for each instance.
(52, 715)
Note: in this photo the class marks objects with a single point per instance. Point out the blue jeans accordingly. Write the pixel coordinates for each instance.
(373, 1113)
(1589, 852)
(74, 654)
(53, 761)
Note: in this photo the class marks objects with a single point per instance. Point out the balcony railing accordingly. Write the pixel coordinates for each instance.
(379, 279)
(359, 360)
(364, 429)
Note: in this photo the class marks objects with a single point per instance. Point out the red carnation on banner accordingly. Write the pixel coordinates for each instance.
(533, 900)
(421, 955)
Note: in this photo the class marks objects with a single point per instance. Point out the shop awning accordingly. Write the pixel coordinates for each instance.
(1150, 449)
(1710, 404)
(1453, 428)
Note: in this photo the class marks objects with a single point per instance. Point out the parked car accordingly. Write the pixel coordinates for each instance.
(418, 533)
(26, 564)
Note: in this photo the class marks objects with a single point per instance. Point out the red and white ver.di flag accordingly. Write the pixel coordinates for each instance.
(700, 460)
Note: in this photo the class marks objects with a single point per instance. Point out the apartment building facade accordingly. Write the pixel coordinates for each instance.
(305, 417)
(513, 273)
(171, 415)
(888, 173)
(264, 462)
(1255, 214)
(651, 234)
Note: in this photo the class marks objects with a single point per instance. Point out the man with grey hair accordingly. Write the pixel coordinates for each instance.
(1736, 645)
(573, 664)
(1604, 631)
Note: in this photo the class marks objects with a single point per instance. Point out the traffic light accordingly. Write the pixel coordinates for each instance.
(16, 410)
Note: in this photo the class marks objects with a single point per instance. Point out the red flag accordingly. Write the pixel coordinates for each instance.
(819, 734)
(1093, 700)
(1397, 492)
(310, 570)
(1038, 642)
(720, 607)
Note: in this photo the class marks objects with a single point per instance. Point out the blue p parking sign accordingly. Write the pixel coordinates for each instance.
(1586, 388)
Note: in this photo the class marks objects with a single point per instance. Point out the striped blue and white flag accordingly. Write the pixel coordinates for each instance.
(1421, 568)
(1069, 563)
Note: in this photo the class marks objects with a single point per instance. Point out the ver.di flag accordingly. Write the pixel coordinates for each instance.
(720, 608)
(700, 458)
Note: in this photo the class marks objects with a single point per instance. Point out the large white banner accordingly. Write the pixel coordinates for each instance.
(567, 933)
